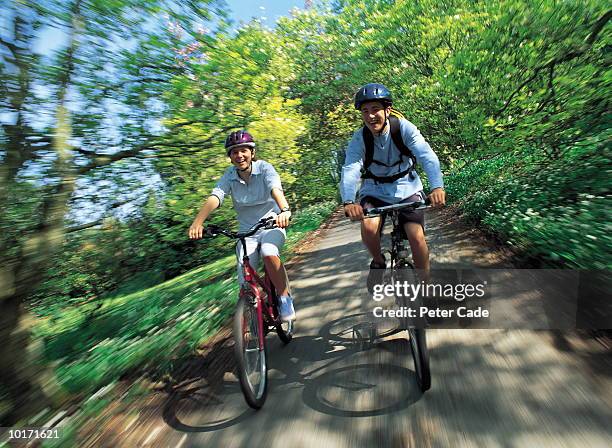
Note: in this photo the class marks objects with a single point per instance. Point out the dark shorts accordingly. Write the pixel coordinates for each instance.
(405, 216)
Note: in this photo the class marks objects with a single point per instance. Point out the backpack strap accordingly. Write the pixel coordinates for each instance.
(396, 136)
(386, 179)
(368, 141)
(398, 141)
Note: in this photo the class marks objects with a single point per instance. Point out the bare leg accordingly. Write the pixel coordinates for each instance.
(371, 237)
(418, 245)
(278, 274)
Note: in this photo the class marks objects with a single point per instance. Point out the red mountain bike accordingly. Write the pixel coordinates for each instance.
(255, 316)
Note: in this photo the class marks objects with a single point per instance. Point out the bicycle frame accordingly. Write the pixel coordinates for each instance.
(266, 312)
(265, 308)
(399, 253)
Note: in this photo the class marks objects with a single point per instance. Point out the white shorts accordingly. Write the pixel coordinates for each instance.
(267, 242)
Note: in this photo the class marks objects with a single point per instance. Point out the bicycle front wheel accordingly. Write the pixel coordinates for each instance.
(420, 354)
(250, 352)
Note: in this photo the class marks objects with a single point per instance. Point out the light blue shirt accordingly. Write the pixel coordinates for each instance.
(253, 200)
(385, 151)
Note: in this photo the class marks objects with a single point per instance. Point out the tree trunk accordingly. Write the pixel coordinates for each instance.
(20, 394)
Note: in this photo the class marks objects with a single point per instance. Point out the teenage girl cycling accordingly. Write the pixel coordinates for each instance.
(256, 191)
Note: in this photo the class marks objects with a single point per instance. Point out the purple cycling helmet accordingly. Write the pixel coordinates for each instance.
(238, 138)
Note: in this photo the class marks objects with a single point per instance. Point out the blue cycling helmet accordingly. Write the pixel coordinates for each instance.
(373, 92)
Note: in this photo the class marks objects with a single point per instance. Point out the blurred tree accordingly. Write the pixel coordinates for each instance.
(90, 105)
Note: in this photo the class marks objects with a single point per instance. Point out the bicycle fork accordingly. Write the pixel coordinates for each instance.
(260, 320)
(256, 300)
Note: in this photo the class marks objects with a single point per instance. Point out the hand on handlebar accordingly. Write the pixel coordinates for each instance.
(354, 212)
(196, 231)
(282, 219)
(437, 197)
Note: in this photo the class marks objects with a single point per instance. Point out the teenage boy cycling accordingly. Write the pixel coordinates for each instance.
(257, 193)
(388, 178)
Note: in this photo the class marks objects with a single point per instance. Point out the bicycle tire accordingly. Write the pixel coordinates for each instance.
(418, 340)
(251, 361)
(420, 354)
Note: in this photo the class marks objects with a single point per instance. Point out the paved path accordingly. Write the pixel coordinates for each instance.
(490, 388)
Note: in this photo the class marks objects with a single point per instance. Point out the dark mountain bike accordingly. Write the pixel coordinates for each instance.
(402, 270)
(257, 313)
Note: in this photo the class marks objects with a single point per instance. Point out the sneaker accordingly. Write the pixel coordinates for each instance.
(376, 275)
(287, 313)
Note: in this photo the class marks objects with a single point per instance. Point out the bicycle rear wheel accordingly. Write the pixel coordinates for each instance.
(251, 360)
(420, 354)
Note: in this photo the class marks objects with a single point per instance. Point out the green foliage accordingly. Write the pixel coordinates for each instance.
(311, 217)
(524, 209)
(307, 220)
(511, 95)
(137, 330)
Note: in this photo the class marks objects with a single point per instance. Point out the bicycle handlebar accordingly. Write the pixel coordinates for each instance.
(377, 211)
(267, 223)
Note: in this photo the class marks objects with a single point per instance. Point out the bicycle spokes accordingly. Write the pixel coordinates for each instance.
(251, 345)
(250, 352)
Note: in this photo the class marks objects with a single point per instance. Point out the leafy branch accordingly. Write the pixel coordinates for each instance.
(568, 56)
